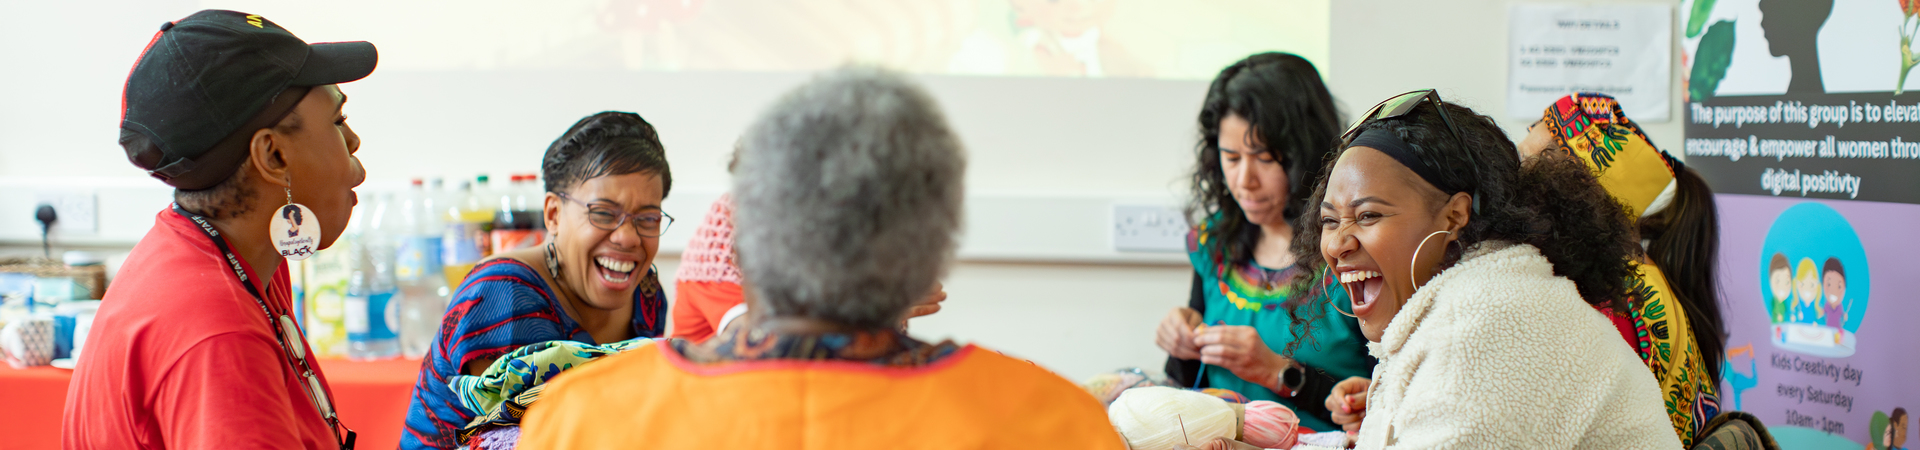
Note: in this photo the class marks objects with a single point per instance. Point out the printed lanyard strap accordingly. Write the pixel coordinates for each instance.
(298, 362)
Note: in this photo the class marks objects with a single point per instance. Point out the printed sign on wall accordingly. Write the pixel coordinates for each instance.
(1620, 50)
(1801, 115)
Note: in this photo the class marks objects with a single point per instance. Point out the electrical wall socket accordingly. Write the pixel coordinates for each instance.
(1149, 228)
(77, 210)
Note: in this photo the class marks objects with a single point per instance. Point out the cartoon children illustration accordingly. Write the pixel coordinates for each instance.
(1834, 279)
(292, 214)
(1780, 278)
(1806, 289)
(1895, 438)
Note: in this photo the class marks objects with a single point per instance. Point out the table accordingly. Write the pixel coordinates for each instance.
(371, 397)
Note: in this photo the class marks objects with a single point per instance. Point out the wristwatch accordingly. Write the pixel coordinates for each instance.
(1291, 379)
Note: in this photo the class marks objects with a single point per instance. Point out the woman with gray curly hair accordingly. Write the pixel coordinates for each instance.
(848, 194)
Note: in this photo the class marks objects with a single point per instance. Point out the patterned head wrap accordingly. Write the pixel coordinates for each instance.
(1593, 128)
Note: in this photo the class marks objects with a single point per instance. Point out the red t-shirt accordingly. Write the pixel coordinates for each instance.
(180, 356)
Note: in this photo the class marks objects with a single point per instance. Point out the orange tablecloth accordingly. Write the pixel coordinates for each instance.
(371, 396)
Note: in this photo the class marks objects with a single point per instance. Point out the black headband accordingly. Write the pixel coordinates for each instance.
(1386, 141)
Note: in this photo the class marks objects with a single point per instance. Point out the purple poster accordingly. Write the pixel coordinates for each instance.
(1804, 115)
(1823, 326)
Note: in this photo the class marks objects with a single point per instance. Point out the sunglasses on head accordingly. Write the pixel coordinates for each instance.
(1399, 106)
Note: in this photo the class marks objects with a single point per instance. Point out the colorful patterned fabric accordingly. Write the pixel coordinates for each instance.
(1593, 127)
(1254, 296)
(517, 372)
(889, 348)
(507, 415)
(1664, 340)
(1108, 386)
(502, 306)
(1641, 177)
(502, 438)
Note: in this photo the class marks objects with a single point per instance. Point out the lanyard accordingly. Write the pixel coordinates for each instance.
(292, 352)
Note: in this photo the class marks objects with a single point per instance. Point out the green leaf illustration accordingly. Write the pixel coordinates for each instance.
(1710, 61)
(1698, 17)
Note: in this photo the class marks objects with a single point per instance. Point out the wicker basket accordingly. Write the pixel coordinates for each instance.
(93, 277)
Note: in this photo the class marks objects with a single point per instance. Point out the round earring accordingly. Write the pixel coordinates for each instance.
(295, 231)
(1416, 257)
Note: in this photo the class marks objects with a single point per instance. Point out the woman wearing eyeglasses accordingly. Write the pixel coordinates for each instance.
(1474, 276)
(1267, 126)
(593, 282)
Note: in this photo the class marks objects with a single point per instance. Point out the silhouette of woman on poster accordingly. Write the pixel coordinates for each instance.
(292, 214)
(1792, 28)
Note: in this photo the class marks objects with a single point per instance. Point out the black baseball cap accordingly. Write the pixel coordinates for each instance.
(207, 82)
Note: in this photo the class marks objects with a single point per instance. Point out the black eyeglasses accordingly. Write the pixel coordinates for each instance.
(1403, 104)
(648, 224)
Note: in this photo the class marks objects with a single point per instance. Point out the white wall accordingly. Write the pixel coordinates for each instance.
(1033, 142)
(1386, 47)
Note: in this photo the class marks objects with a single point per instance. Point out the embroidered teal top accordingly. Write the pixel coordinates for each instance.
(1253, 296)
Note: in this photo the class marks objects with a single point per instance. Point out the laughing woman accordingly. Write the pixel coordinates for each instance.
(593, 282)
(1267, 126)
(1477, 303)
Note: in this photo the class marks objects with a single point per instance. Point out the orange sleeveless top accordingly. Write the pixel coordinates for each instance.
(654, 397)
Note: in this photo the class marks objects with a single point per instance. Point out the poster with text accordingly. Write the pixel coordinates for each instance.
(1801, 115)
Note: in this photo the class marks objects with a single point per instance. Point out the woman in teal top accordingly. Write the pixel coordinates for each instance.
(1267, 126)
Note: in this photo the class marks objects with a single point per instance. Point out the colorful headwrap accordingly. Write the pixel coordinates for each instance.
(1626, 162)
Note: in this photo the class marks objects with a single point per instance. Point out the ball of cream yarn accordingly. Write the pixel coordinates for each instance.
(1150, 417)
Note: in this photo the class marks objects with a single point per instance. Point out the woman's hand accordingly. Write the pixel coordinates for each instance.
(1218, 444)
(1348, 402)
(1175, 335)
(1238, 349)
(929, 304)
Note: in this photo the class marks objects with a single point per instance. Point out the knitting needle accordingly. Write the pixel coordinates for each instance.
(1183, 429)
(1202, 375)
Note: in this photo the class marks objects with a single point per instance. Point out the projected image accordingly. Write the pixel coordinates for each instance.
(1189, 39)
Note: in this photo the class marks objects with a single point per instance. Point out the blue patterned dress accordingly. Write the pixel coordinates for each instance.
(502, 306)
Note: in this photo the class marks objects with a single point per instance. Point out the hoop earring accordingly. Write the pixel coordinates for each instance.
(1326, 274)
(1416, 257)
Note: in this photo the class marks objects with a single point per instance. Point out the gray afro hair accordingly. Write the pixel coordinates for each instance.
(848, 196)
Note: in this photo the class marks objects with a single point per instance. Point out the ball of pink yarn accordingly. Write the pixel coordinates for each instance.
(1270, 425)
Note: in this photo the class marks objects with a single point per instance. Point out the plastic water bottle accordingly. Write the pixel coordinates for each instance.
(372, 308)
(297, 278)
(418, 272)
(467, 240)
(325, 284)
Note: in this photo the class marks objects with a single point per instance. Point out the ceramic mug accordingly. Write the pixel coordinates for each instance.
(28, 343)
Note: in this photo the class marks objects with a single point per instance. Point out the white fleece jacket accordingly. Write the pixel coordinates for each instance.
(1497, 352)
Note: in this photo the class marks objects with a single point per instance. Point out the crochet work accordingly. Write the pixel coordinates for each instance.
(709, 256)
